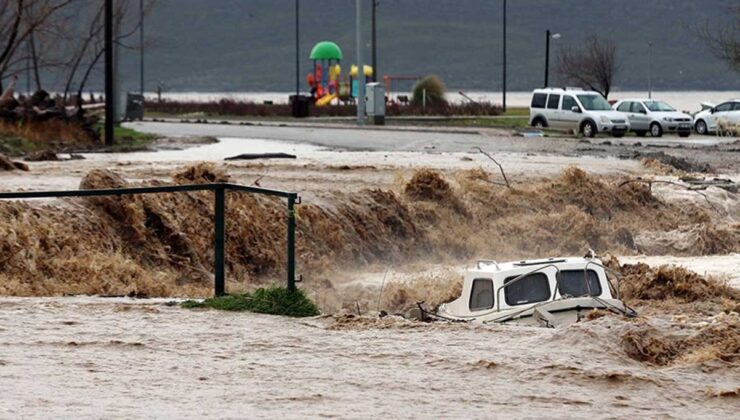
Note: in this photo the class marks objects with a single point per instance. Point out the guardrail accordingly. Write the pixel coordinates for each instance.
(219, 189)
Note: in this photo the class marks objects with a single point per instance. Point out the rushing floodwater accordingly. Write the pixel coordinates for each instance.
(92, 357)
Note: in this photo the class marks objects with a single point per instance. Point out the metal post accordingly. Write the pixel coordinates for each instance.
(504, 52)
(219, 235)
(375, 44)
(650, 71)
(297, 51)
(360, 68)
(547, 57)
(141, 53)
(109, 99)
(291, 243)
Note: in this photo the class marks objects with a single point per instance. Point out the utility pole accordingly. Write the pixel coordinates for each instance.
(360, 68)
(504, 75)
(109, 99)
(141, 53)
(547, 58)
(375, 44)
(297, 51)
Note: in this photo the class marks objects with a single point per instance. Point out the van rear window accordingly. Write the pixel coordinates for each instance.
(539, 100)
(532, 288)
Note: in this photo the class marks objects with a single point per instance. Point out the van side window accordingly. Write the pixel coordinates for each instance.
(574, 283)
(539, 100)
(481, 297)
(568, 103)
(553, 101)
(624, 107)
(532, 288)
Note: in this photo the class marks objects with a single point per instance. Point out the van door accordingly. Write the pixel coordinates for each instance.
(553, 111)
(569, 120)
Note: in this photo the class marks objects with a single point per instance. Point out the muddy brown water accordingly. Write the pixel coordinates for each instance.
(93, 357)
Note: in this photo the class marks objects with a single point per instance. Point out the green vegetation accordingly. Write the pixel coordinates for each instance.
(130, 140)
(433, 88)
(12, 145)
(273, 300)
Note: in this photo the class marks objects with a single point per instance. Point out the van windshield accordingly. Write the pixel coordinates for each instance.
(594, 103)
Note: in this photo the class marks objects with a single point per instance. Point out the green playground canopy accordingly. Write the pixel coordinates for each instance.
(326, 50)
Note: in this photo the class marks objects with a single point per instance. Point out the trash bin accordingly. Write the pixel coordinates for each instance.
(299, 104)
(375, 99)
(134, 106)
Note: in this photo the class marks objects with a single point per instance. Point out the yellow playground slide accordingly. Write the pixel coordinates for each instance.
(326, 99)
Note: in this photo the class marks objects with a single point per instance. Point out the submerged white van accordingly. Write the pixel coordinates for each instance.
(577, 110)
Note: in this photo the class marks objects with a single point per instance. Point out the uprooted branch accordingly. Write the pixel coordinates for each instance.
(501, 168)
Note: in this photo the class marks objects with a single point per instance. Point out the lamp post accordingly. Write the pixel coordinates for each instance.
(503, 82)
(548, 36)
(360, 68)
(650, 71)
(109, 99)
(297, 50)
(141, 44)
(375, 43)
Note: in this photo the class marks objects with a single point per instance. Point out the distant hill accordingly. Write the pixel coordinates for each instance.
(233, 45)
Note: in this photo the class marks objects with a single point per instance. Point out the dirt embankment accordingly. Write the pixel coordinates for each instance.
(161, 245)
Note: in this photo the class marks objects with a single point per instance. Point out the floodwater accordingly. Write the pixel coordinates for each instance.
(122, 358)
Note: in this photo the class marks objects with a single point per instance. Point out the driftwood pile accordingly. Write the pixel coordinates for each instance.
(42, 107)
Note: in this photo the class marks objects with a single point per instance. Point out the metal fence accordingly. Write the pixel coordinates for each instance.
(219, 221)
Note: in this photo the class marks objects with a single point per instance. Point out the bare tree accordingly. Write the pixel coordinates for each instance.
(592, 66)
(724, 40)
(18, 20)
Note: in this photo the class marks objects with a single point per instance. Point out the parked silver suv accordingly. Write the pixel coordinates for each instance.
(581, 111)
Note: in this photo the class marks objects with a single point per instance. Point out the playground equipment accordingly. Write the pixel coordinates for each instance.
(326, 80)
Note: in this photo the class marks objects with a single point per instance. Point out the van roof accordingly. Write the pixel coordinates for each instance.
(565, 89)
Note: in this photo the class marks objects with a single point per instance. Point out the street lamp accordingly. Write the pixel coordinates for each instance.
(375, 44)
(297, 52)
(503, 82)
(360, 68)
(650, 71)
(548, 36)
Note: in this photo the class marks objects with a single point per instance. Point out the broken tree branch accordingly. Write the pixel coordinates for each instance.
(501, 168)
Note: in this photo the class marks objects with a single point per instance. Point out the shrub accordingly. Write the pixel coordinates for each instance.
(435, 91)
(273, 300)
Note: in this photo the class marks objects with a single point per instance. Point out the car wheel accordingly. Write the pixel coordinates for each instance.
(641, 133)
(588, 129)
(656, 130)
(539, 123)
(701, 127)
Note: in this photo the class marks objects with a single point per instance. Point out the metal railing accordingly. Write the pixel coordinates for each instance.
(219, 216)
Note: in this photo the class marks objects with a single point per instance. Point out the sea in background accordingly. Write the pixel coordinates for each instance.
(681, 100)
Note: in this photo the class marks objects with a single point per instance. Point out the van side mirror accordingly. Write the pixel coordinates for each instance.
(575, 109)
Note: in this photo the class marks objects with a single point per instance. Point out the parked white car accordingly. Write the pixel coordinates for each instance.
(581, 111)
(706, 121)
(654, 117)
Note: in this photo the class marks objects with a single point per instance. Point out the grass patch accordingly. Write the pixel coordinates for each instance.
(273, 300)
(12, 145)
